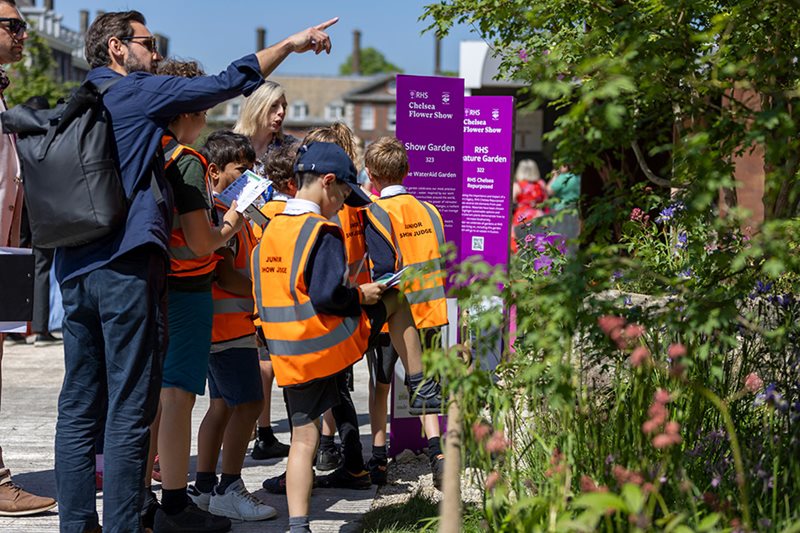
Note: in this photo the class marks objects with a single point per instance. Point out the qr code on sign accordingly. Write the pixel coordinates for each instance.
(477, 244)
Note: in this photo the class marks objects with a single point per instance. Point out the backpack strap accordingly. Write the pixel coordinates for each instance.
(105, 86)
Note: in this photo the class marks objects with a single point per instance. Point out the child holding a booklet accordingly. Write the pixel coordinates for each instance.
(197, 232)
(233, 370)
(404, 232)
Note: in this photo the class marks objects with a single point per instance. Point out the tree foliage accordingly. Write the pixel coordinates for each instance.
(34, 75)
(372, 62)
(695, 81)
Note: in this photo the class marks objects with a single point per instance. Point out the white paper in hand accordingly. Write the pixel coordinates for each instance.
(248, 188)
(390, 280)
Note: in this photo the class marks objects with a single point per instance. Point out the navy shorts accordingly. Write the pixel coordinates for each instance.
(235, 376)
(189, 321)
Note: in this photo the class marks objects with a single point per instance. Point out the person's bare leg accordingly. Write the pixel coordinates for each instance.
(237, 436)
(153, 451)
(175, 436)
(267, 377)
(378, 406)
(403, 332)
(328, 424)
(431, 425)
(210, 435)
(299, 472)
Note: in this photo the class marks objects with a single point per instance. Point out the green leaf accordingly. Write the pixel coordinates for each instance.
(600, 501)
(708, 522)
(633, 497)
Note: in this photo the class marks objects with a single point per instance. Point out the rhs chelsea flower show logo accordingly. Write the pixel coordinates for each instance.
(495, 114)
(445, 98)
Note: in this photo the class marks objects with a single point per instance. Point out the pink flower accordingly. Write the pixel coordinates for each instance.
(753, 383)
(672, 428)
(588, 485)
(523, 55)
(492, 479)
(636, 214)
(649, 427)
(639, 356)
(610, 324)
(497, 443)
(665, 441)
(661, 396)
(634, 331)
(676, 351)
(480, 431)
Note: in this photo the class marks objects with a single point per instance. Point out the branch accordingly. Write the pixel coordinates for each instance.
(661, 182)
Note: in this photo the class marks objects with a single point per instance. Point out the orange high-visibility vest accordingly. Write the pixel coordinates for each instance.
(351, 220)
(183, 262)
(233, 313)
(269, 210)
(415, 232)
(304, 345)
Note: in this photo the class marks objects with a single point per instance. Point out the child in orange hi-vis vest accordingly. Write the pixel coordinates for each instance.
(233, 372)
(315, 324)
(404, 232)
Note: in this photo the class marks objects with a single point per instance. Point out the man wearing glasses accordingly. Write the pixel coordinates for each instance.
(13, 500)
(114, 289)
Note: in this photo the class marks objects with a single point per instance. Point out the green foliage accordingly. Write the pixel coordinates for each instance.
(33, 76)
(372, 62)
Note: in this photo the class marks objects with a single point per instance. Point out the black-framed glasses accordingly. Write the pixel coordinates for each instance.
(148, 41)
(16, 27)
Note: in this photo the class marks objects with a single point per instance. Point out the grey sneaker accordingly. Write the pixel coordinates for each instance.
(200, 499)
(237, 503)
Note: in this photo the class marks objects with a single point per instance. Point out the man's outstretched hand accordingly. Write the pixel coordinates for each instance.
(313, 38)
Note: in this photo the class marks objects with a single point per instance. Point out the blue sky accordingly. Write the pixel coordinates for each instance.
(215, 32)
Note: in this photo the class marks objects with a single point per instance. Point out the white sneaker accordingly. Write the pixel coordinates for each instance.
(200, 499)
(237, 503)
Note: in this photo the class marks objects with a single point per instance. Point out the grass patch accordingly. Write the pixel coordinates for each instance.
(417, 514)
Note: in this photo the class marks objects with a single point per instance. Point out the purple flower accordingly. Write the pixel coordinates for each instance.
(627, 300)
(683, 239)
(785, 300)
(523, 55)
(543, 263)
(616, 275)
(686, 274)
(772, 397)
(529, 238)
(668, 213)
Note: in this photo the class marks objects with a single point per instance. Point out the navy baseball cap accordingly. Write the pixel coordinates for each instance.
(329, 158)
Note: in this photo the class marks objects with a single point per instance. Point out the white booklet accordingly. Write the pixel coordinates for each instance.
(248, 189)
(390, 280)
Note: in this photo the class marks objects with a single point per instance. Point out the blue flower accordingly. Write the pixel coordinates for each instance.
(616, 275)
(683, 239)
(686, 274)
(772, 397)
(668, 213)
(785, 300)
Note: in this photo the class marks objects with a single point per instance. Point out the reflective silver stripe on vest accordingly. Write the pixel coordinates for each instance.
(354, 269)
(425, 295)
(292, 313)
(384, 220)
(437, 227)
(324, 342)
(299, 247)
(254, 260)
(233, 305)
(182, 252)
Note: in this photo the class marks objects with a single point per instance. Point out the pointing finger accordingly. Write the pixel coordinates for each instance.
(327, 24)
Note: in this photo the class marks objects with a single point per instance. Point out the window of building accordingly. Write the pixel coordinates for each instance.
(334, 112)
(367, 117)
(391, 118)
(235, 108)
(298, 110)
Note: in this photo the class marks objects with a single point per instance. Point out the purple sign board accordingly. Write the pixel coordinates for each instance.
(430, 113)
(486, 182)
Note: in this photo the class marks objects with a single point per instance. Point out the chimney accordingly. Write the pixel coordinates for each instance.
(48, 5)
(437, 56)
(356, 59)
(84, 16)
(162, 42)
(261, 38)
(100, 13)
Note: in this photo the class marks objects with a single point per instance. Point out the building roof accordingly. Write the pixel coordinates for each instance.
(375, 90)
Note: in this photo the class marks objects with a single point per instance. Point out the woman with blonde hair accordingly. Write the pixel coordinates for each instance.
(261, 120)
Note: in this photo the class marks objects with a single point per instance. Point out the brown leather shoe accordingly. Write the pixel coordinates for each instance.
(16, 502)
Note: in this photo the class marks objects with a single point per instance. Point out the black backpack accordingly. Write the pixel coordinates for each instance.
(73, 191)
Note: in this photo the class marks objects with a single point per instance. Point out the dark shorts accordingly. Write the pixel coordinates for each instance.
(189, 321)
(308, 401)
(382, 357)
(234, 375)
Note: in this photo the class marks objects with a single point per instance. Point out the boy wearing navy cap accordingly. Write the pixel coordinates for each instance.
(315, 324)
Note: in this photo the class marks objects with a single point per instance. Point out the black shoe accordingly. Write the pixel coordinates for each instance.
(342, 479)
(328, 459)
(277, 484)
(149, 508)
(16, 338)
(263, 450)
(426, 400)
(191, 520)
(378, 470)
(46, 339)
(437, 469)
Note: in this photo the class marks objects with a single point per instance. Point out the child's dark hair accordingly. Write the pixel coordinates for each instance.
(279, 166)
(223, 147)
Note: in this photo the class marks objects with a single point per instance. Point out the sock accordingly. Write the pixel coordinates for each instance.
(205, 481)
(326, 443)
(226, 481)
(299, 524)
(174, 501)
(379, 453)
(434, 448)
(266, 435)
(413, 381)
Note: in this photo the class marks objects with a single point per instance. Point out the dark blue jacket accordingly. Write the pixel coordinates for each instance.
(141, 106)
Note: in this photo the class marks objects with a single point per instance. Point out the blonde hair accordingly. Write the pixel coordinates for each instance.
(527, 170)
(336, 133)
(387, 160)
(253, 114)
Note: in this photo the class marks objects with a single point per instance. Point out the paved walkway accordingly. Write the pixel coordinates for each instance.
(31, 382)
